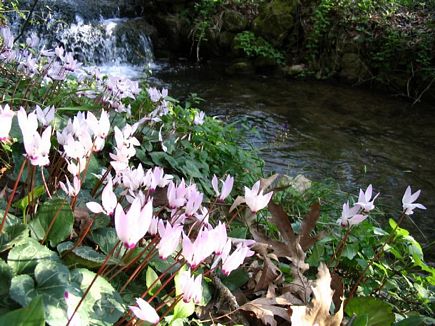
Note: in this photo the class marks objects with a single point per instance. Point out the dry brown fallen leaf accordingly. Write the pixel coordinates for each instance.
(267, 308)
(317, 312)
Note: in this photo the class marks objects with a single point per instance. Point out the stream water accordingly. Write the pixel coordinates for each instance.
(321, 130)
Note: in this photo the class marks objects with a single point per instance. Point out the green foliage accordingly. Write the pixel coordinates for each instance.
(54, 221)
(254, 47)
(370, 312)
(398, 275)
(392, 38)
(32, 315)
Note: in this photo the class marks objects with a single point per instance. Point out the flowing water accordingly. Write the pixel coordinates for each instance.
(354, 136)
(321, 130)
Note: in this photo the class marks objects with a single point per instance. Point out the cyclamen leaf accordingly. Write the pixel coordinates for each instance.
(32, 315)
(52, 280)
(379, 312)
(5, 277)
(54, 221)
(13, 235)
(103, 302)
(24, 257)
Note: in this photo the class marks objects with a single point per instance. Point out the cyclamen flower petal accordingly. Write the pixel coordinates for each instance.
(350, 216)
(199, 118)
(71, 303)
(108, 199)
(255, 199)
(133, 226)
(408, 200)
(170, 238)
(145, 312)
(191, 287)
(365, 200)
(6, 115)
(71, 190)
(46, 116)
(234, 260)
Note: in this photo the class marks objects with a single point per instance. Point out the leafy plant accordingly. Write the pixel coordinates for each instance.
(254, 47)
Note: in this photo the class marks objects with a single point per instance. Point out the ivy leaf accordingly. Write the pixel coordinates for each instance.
(379, 312)
(13, 235)
(181, 309)
(34, 194)
(54, 221)
(22, 289)
(5, 277)
(52, 280)
(103, 302)
(82, 256)
(151, 277)
(24, 257)
(106, 239)
(32, 315)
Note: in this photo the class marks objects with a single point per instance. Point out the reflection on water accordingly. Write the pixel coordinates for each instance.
(354, 136)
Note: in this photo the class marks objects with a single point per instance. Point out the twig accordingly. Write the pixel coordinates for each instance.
(27, 21)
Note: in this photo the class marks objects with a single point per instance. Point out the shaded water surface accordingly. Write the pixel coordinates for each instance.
(354, 136)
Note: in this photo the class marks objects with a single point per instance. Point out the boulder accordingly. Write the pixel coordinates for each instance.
(240, 67)
(275, 21)
(234, 21)
(352, 67)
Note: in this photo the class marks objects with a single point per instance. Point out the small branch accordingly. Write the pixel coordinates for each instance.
(226, 295)
(23, 29)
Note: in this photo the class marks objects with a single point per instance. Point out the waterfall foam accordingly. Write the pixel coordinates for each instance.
(116, 44)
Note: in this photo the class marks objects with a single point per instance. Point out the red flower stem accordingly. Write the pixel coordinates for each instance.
(93, 281)
(166, 302)
(376, 257)
(45, 183)
(170, 308)
(50, 226)
(100, 182)
(138, 269)
(12, 195)
(340, 247)
(133, 261)
(164, 284)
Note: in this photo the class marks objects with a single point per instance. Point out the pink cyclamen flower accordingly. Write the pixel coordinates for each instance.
(226, 187)
(131, 227)
(350, 216)
(233, 261)
(46, 116)
(145, 312)
(71, 303)
(73, 189)
(255, 199)
(200, 249)
(176, 194)
(408, 201)
(194, 200)
(365, 200)
(191, 287)
(170, 238)
(199, 118)
(108, 199)
(6, 115)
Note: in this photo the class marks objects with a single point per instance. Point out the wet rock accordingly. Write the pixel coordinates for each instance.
(241, 67)
(173, 32)
(299, 183)
(234, 21)
(352, 67)
(294, 70)
(275, 21)
(226, 40)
